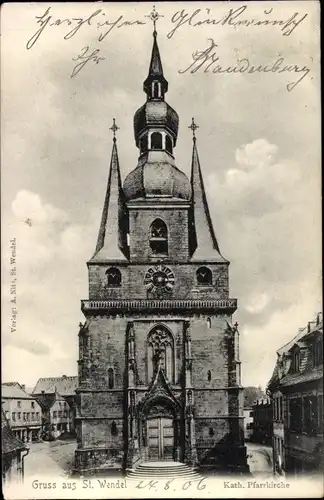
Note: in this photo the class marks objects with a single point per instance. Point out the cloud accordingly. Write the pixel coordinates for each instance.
(49, 253)
(259, 148)
(258, 153)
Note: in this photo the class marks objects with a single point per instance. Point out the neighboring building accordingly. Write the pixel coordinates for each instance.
(262, 421)
(64, 387)
(13, 453)
(248, 422)
(296, 387)
(159, 366)
(56, 415)
(22, 411)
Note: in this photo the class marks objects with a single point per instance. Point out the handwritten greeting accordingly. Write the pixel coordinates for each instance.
(207, 60)
(235, 18)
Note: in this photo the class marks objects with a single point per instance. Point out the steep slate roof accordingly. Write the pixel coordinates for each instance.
(14, 392)
(307, 373)
(204, 244)
(111, 243)
(299, 378)
(46, 401)
(65, 386)
(9, 443)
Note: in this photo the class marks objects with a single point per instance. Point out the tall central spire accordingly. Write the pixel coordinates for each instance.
(155, 84)
(156, 126)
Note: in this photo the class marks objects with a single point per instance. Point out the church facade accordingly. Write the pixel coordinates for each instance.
(159, 368)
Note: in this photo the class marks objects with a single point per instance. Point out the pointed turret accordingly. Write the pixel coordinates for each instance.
(112, 238)
(203, 243)
(155, 84)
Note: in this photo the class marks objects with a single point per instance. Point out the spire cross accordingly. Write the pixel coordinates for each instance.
(154, 16)
(193, 127)
(114, 129)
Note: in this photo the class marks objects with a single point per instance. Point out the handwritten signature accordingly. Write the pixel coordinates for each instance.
(77, 23)
(207, 60)
(85, 57)
(234, 18)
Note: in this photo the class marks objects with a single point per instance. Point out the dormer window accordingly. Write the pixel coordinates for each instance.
(159, 237)
(156, 140)
(113, 277)
(296, 361)
(168, 144)
(318, 353)
(204, 276)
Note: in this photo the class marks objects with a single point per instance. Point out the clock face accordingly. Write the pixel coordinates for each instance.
(159, 278)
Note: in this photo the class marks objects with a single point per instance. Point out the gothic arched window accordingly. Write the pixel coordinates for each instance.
(159, 237)
(204, 276)
(143, 144)
(160, 346)
(209, 375)
(156, 140)
(208, 323)
(111, 381)
(113, 277)
(168, 144)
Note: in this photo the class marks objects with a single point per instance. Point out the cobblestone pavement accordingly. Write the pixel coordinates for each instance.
(53, 458)
(260, 459)
(56, 459)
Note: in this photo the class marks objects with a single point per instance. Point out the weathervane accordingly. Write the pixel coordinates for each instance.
(114, 129)
(193, 127)
(154, 16)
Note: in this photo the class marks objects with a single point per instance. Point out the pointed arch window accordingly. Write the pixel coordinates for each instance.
(111, 378)
(113, 277)
(114, 430)
(156, 140)
(209, 375)
(159, 237)
(168, 144)
(160, 346)
(204, 276)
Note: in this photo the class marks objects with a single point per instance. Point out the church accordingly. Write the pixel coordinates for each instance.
(159, 367)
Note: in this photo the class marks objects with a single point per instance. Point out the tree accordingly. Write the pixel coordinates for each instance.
(251, 394)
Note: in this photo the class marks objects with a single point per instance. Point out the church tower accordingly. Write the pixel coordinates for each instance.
(159, 369)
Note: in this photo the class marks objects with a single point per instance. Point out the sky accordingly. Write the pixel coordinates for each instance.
(258, 142)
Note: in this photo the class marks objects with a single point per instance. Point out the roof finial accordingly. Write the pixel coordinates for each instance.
(114, 129)
(193, 127)
(154, 16)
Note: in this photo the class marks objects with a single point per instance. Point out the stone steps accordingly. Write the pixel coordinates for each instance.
(163, 471)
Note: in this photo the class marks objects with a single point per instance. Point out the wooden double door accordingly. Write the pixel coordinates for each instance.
(160, 434)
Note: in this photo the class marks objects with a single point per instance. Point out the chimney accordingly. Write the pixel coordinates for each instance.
(23, 386)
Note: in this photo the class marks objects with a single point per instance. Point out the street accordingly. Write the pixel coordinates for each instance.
(50, 458)
(55, 459)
